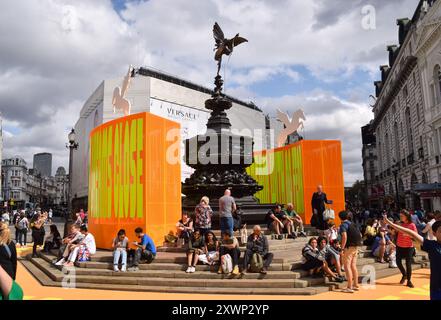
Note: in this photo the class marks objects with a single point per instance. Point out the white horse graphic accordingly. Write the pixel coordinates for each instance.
(119, 100)
(291, 125)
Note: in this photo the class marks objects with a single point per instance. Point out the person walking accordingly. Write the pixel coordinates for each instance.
(227, 206)
(318, 202)
(405, 248)
(433, 248)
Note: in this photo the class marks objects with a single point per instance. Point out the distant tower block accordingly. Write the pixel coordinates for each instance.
(43, 164)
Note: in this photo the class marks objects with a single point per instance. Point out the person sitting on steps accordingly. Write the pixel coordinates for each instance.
(257, 243)
(296, 221)
(146, 249)
(120, 245)
(82, 251)
(330, 259)
(229, 245)
(274, 219)
(384, 249)
(195, 249)
(211, 249)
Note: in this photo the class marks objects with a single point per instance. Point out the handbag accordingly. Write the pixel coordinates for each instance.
(328, 214)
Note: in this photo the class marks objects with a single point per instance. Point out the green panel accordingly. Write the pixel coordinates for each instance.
(285, 183)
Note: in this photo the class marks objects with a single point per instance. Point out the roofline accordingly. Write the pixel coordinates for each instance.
(160, 75)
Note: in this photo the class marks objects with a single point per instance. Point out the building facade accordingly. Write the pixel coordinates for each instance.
(428, 52)
(169, 97)
(14, 175)
(399, 123)
(43, 164)
(1, 156)
(373, 190)
(23, 186)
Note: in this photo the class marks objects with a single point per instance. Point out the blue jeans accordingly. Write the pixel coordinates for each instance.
(226, 224)
(120, 254)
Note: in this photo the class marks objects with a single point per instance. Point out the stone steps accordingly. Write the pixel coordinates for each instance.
(47, 281)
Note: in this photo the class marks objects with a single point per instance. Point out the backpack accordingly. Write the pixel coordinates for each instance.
(227, 263)
(355, 239)
(22, 224)
(256, 263)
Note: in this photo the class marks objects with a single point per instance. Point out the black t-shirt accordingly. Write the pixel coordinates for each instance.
(269, 220)
(433, 248)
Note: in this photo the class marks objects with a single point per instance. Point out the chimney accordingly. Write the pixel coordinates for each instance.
(384, 72)
(378, 87)
(393, 53)
(404, 27)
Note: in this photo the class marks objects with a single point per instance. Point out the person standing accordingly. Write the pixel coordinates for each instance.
(203, 215)
(22, 225)
(351, 240)
(38, 232)
(50, 216)
(405, 248)
(433, 248)
(8, 251)
(227, 206)
(318, 202)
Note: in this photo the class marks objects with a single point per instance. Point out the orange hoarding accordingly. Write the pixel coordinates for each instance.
(291, 174)
(134, 178)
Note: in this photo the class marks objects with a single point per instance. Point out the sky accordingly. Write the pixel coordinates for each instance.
(321, 56)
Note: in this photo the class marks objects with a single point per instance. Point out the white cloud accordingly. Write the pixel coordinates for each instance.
(54, 53)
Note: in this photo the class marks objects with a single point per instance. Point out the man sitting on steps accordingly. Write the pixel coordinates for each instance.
(257, 243)
(146, 249)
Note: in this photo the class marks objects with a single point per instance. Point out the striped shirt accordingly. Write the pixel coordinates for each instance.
(403, 240)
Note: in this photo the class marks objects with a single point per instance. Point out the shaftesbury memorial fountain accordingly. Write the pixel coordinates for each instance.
(220, 157)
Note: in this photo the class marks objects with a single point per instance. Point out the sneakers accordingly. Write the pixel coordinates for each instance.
(189, 269)
(193, 269)
(60, 262)
(393, 264)
(263, 271)
(303, 234)
(115, 268)
(348, 290)
(235, 271)
(123, 268)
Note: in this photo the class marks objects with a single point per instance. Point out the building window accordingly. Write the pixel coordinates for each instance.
(437, 85)
(405, 92)
(418, 112)
(409, 131)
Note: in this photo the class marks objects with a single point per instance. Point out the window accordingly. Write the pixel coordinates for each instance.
(409, 131)
(436, 84)
(418, 112)
(397, 142)
(405, 92)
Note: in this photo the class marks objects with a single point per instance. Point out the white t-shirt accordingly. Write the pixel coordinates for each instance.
(89, 242)
(430, 235)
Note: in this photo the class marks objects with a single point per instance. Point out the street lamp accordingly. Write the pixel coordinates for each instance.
(395, 170)
(72, 145)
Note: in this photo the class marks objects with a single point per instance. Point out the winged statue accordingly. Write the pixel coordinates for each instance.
(224, 46)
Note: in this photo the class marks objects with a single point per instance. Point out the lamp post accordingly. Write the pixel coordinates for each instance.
(395, 170)
(72, 145)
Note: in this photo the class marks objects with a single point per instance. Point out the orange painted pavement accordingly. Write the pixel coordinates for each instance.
(386, 289)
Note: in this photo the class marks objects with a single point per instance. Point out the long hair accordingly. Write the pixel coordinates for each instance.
(407, 215)
(5, 234)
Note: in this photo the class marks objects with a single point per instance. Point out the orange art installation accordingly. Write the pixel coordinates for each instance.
(291, 174)
(134, 178)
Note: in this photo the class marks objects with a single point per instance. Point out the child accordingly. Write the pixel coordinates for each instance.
(120, 246)
(332, 233)
(84, 250)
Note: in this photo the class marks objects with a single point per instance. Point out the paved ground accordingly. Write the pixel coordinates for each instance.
(386, 289)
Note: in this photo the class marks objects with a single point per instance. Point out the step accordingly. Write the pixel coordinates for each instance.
(233, 282)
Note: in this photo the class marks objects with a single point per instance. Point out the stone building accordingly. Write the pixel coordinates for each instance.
(14, 172)
(399, 121)
(428, 53)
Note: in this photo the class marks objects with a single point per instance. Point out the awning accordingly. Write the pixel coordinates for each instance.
(428, 190)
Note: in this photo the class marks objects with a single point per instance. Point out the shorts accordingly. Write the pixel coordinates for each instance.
(350, 254)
